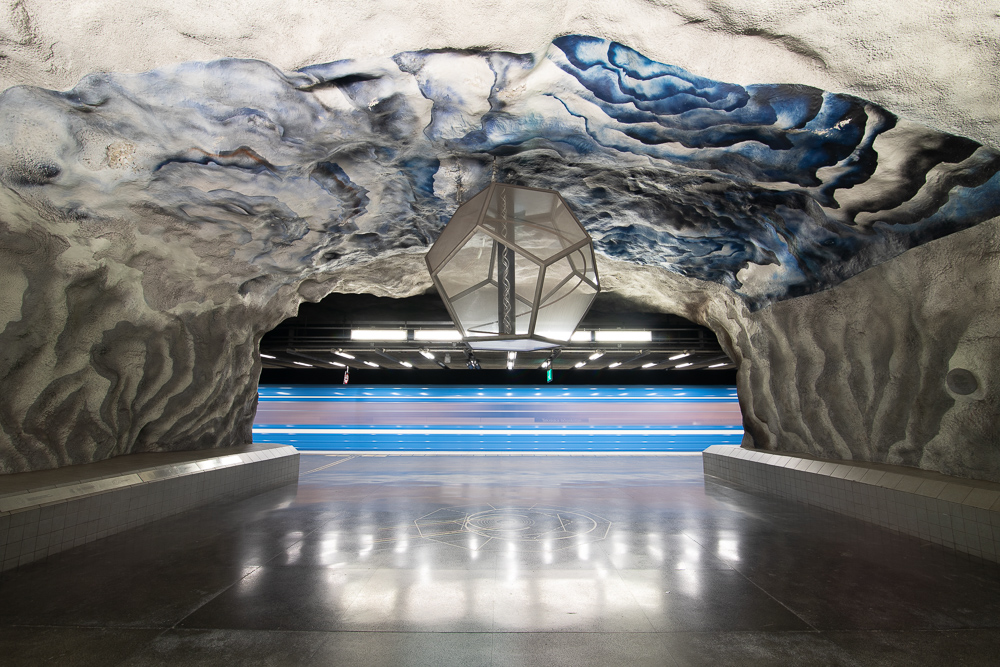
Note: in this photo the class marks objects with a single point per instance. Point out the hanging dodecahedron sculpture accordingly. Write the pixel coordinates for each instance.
(515, 268)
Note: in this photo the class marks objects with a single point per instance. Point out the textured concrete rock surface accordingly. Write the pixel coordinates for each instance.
(895, 365)
(153, 226)
(933, 62)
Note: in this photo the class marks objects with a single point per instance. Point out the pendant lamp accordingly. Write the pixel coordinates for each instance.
(515, 268)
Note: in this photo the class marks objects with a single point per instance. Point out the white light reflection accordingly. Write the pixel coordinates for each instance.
(690, 583)
(368, 543)
(511, 562)
(293, 553)
(692, 555)
(729, 549)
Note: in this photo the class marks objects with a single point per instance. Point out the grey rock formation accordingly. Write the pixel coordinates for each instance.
(895, 365)
(153, 226)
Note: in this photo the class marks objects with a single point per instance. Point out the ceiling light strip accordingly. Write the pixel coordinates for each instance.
(623, 336)
(378, 334)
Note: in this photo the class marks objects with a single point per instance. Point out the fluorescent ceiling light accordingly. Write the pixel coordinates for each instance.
(344, 355)
(685, 364)
(581, 336)
(511, 356)
(580, 364)
(378, 334)
(267, 356)
(679, 356)
(618, 336)
(436, 334)
(406, 364)
(302, 363)
(426, 355)
(546, 363)
(337, 363)
(596, 355)
(649, 365)
(371, 363)
(724, 363)
(510, 364)
(615, 365)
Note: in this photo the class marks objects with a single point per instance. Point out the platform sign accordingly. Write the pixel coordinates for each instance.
(548, 375)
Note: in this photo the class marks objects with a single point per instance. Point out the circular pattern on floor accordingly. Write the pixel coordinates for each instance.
(532, 528)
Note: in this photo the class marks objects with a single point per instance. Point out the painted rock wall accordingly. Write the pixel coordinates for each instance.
(153, 226)
(932, 62)
(896, 365)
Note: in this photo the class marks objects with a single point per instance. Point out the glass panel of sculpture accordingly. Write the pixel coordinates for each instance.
(467, 267)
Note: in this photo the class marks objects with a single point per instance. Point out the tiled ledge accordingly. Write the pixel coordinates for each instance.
(962, 514)
(48, 511)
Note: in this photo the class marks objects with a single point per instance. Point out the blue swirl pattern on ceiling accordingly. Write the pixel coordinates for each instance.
(771, 190)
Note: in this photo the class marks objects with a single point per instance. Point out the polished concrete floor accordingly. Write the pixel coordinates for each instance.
(513, 560)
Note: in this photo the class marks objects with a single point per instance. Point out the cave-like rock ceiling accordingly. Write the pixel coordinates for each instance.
(771, 190)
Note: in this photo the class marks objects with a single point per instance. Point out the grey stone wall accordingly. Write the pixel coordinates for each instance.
(861, 371)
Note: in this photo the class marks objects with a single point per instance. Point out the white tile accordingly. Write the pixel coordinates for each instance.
(826, 469)
(930, 488)
(955, 493)
(855, 474)
(908, 484)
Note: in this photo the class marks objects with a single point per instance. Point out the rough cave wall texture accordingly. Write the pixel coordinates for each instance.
(153, 226)
(896, 365)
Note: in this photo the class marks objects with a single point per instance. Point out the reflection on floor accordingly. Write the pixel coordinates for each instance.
(514, 560)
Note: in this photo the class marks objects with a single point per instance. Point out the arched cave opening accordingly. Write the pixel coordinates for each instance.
(316, 346)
